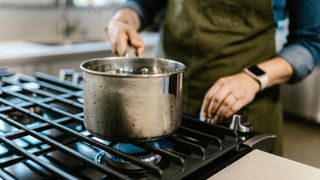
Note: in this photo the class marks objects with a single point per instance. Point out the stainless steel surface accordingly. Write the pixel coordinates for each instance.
(302, 99)
(121, 102)
(240, 123)
(131, 52)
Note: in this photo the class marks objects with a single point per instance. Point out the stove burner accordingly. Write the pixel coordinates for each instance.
(25, 119)
(130, 149)
(166, 144)
(19, 89)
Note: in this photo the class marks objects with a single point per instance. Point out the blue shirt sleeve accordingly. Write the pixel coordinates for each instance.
(303, 48)
(279, 7)
(147, 9)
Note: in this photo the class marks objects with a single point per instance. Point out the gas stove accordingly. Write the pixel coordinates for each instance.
(42, 136)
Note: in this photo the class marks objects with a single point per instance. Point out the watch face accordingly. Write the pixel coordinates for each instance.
(256, 71)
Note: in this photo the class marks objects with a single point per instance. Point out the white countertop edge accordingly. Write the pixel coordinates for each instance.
(259, 165)
(13, 52)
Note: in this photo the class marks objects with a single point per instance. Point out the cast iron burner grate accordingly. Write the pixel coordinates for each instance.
(42, 136)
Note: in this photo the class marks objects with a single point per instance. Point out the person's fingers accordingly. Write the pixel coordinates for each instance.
(224, 110)
(117, 38)
(208, 97)
(140, 51)
(217, 99)
(134, 38)
(120, 35)
(233, 93)
(113, 48)
(111, 37)
(235, 107)
(205, 105)
(113, 32)
(121, 45)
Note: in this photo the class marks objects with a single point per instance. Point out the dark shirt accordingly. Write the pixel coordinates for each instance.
(302, 50)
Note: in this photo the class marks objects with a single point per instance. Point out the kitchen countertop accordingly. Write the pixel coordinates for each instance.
(14, 52)
(259, 165)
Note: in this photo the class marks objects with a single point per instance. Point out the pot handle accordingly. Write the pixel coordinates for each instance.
(131, 52)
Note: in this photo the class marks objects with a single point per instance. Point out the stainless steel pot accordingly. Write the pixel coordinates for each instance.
(132, 99)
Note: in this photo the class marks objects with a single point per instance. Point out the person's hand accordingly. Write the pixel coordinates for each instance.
(122, 33)
(228, 95)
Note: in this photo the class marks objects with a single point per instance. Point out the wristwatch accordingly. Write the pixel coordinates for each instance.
(259, 75)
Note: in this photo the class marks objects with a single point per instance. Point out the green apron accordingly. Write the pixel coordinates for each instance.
(216, 38)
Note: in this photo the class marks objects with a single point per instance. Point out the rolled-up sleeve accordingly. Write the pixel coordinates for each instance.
(147, 9)
(303, 48)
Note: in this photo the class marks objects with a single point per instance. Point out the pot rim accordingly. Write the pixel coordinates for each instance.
(84, 69)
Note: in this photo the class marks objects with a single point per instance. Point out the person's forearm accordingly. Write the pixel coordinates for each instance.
(278, 70)
(129, 17)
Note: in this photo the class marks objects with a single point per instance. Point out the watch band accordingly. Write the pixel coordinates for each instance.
(259, 75)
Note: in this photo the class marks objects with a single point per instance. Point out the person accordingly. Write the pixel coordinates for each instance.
(228, 47)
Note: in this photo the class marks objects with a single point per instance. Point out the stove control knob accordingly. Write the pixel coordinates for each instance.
(240, 123)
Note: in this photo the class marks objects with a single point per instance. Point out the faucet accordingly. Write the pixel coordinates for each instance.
(64, 27)
(62, 23)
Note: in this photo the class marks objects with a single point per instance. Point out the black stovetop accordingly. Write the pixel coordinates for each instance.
(42, 136)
